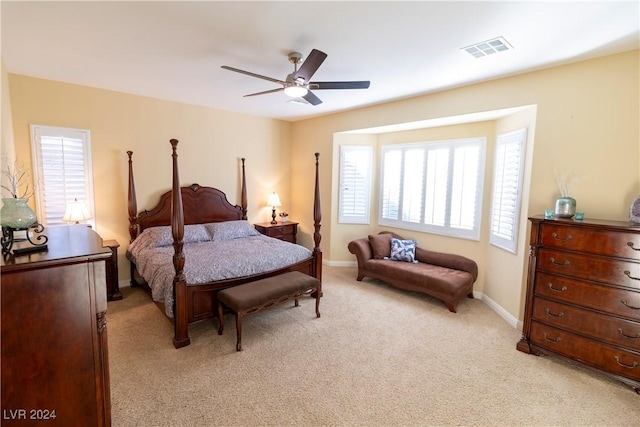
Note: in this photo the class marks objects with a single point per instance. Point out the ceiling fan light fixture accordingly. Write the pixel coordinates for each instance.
(296, 91)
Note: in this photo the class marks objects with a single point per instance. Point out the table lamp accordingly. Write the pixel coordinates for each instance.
(274, 201)
(76, 212)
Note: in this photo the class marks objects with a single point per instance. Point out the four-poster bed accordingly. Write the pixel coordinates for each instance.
(201, 212)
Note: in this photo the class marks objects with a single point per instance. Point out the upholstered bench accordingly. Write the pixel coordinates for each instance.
(265, 293)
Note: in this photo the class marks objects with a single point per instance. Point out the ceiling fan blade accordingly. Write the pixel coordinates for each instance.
(312, 99)
(265, 92)
(310, 65)
(252, 74)
(340, 85)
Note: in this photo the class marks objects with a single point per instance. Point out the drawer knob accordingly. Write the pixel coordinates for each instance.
(628, 274)
(630, 244)
(553, 261)
(634, 365)
(546, 337)
(624, 302)
(621, 332)
(564, 239)
(552, 314)
(562, 289)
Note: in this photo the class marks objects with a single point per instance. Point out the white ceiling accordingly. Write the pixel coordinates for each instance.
(174, 50)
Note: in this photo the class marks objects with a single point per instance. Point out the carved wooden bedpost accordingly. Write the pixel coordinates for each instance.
(180, 321)
(244, 192)
(317, 217)
(131, 202)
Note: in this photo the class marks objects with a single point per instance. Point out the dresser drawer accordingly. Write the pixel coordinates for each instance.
(583, 239)
(596, 354)
(278, 231)
(284, 231)
(611, 329)
(590, 267)
(620, 302)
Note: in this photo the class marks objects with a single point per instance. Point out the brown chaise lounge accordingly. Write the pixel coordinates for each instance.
(448, 277)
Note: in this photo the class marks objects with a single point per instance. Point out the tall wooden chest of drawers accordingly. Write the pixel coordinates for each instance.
(55, 364)
(583, 295)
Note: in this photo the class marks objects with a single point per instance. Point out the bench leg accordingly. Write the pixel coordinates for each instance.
(220, 319)
(297, 304)
(239, 331)
(318, 293)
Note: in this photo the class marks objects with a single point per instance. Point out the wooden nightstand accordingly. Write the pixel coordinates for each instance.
(113, 288)
(286, 231)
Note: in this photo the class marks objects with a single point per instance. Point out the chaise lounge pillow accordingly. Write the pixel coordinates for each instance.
(403, 250)
(380, 245)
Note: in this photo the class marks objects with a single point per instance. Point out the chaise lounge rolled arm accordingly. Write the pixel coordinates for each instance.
(448, 277)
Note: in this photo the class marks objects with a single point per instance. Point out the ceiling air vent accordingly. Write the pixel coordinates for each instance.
(488, 47)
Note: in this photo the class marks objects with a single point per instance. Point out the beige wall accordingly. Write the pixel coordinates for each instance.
(211, 145)
(8, 149)
(587, 121)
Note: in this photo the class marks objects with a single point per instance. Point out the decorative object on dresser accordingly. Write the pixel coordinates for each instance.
(634, 211)
(189, 296)
(113, 287)
(583, 295)
(54, 332)
(286, 231)
(565, 205)
(16, 216)
(274, 202)
(284, 216)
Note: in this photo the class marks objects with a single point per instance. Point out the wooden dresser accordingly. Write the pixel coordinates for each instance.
(55, 367)
(286, 231)
(583, 295)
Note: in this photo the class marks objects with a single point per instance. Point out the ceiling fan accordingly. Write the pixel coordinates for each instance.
(297, 84)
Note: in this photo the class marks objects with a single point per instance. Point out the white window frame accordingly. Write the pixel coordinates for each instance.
(359, 188)
(84, 191)
(507, 189)
(446, 190)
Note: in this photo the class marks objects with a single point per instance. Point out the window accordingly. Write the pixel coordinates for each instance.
(62, 171)
(355, 184)
(434, 187)
(507, 189)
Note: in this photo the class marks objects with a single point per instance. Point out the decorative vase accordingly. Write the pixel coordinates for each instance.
(565, 207)
(16, 213)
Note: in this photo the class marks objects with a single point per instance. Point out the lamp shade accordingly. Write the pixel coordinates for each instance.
(76, 212)
(274, 200)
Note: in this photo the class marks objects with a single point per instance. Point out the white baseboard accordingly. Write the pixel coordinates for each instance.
(501, 311)
(340, 263)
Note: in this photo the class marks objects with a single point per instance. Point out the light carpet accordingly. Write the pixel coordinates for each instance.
(378, 356)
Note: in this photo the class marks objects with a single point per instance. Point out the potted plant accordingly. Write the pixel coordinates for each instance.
(16, 212)
(283, 216)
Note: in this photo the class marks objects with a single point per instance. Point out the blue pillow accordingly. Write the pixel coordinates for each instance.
(403, 250)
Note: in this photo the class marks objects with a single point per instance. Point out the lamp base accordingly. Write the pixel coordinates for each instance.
(273, 216)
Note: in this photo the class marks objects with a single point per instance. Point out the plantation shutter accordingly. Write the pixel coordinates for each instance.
(62, 168)
(391, 183)
(355, 184)
(507, 184)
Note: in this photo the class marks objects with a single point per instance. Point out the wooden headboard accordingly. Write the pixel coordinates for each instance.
(201, 205)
